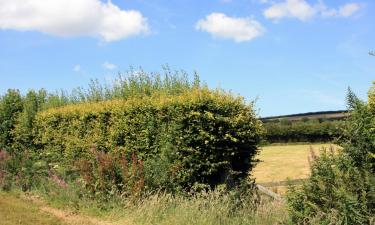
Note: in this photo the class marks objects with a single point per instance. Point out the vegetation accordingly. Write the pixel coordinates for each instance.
(201, 137)
(278, 163)
(123, 142)
(216, 207)
(341, 188)
(164, 150)
(16, 211)
(11, 106)
(307, 130)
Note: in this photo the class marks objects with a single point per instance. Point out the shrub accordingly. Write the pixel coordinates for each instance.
(108, 175)
(21, 169)
(23, 129)
(10, 107)
(359, 143)
(202, 136)
(336, 193)
(341, 189)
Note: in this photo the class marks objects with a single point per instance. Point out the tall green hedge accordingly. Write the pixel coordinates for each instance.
(303, 131)
(200, 137)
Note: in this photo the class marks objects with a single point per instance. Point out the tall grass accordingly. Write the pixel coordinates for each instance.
(210, 209)
(206, 208)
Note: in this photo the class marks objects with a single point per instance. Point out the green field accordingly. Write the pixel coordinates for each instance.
(280, 162)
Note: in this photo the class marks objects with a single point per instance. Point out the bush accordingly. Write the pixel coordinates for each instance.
(341, 189)
(23, 129)
(202, 136)
(10, 107)
(107, 175)
(336, 193)
(22, 170)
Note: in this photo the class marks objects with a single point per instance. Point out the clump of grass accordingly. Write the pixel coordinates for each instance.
(207, 208)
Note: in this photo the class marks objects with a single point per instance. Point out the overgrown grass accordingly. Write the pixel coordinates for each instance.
(212, 208)
(215, 207)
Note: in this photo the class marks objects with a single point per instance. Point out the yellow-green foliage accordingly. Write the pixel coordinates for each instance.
(371, 103)
(201, 136)
(371, 97)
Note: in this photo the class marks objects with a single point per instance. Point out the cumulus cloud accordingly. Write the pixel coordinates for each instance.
(291, 8)
(69, 18)
(302, 10)
(225, 27)
(109, 66)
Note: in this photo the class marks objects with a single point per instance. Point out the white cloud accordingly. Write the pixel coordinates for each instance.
(109, 66)
(302, 10)
(346, 10)
(299, 9)
(77, 68)
(70, 18)
(225, 27)
(349, 9)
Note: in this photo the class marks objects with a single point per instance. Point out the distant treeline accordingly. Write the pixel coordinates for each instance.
(321, 115)
(305, 130)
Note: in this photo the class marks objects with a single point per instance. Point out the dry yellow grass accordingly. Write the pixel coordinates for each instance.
(278, 163)
(15, 211)
(28, 209)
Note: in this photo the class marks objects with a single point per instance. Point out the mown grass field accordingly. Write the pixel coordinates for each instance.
(282, 162)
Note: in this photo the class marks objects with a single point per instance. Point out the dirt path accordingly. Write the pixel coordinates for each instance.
(67, 216)
(72, 218)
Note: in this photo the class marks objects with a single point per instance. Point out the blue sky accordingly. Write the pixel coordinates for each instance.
(294, 56)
